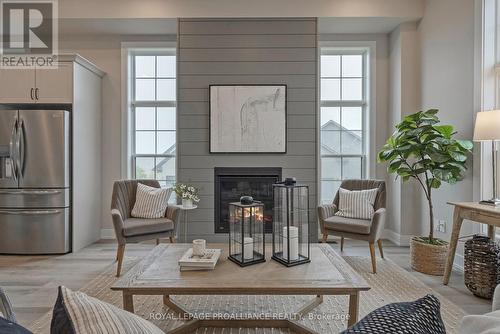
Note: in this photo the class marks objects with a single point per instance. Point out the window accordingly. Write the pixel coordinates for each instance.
(153, 115)
(342, 118)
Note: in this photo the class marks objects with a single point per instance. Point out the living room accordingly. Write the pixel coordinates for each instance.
(249, 166)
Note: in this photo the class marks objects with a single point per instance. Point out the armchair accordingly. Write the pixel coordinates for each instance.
(359, 229)
(129, 229)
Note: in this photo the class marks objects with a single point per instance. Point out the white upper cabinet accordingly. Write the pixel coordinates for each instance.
(38, 85)
(17, 85)
(54, 85)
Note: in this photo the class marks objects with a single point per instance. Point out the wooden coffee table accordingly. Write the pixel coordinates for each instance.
(327, 274)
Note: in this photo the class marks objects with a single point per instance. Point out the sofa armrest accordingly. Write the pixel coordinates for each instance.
(6, 307)
(324, 212)
(378, 221)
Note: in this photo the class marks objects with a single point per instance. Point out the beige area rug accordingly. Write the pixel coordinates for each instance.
(391, 284)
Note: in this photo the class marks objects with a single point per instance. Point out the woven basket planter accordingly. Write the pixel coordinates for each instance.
(481, 266)
(426, 258)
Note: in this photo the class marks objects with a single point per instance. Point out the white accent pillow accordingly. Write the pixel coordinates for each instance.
(356, 204)
(150, 202)
(488, 323)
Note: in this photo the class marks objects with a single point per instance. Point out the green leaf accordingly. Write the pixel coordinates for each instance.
(458, 156)
(435, 183)
(438, 157)
(393, 167)
(445, 130)
(466, 144)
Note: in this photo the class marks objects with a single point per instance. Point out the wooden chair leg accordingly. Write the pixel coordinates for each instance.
(372, 254)
(341, 244)
(172, 240)
(119, 255)
(157, 241)
(325, 236)
(379, 242)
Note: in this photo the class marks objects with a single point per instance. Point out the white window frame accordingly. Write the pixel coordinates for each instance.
(129, 50)
(367, 49)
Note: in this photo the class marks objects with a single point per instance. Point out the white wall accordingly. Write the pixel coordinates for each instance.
(404, 199)
(447, 83)
(105, 52)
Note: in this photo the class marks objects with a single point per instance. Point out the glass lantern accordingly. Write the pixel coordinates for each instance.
(291, 242)
(246, 233)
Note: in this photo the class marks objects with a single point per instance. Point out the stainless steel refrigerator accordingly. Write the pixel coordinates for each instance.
(34, 181)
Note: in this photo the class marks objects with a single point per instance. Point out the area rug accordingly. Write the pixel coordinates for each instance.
(391, 284)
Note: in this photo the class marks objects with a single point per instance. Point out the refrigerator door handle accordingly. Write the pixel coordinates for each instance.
(12, 151)
(20, 147)
(30, 192)
(30, 212)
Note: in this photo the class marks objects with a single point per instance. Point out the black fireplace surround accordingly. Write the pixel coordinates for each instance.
(233, 182)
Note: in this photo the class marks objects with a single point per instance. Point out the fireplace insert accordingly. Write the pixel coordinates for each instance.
(233, 182)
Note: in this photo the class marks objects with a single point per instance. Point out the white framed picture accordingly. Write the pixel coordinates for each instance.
(247, 118)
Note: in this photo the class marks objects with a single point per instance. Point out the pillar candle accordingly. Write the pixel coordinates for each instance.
(294, 243)
(248, 248)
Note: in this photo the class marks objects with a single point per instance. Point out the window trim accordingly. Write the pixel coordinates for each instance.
(130, 49)
(368, 103)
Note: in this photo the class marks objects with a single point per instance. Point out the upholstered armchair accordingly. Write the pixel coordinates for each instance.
(359, 229)
(129, 229)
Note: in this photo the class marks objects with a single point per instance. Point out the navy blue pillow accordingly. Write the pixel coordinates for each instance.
(422, 316)
(61, 322)
(10, 327)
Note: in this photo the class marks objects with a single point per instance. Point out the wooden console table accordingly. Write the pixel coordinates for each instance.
(480, 213)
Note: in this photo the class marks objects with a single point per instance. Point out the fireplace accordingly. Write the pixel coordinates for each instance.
(233, 182)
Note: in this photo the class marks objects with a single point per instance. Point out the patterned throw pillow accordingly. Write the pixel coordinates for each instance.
(77, 313)
(356, 203)
(422, 316)
(150, 202)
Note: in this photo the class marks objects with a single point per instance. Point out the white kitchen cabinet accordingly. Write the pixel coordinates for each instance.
(16, 85)
(54, 85)
(38, 85)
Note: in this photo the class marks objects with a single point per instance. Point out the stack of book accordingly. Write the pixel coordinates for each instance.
(208, 261)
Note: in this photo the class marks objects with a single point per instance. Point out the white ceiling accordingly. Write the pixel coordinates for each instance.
(359, 25)
(166, 26)
(130, 26)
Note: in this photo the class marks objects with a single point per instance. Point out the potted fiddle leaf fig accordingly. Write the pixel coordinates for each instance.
(423, 150)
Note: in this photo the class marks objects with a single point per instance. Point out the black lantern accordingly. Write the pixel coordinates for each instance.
(291, 242)
(246, 233)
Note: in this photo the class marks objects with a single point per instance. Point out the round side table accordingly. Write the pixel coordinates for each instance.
(185, 210)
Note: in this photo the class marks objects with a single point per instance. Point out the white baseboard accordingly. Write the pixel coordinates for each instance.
(398, 239)
(107, 233)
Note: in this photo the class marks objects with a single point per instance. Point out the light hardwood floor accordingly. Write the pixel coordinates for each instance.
(32, 281)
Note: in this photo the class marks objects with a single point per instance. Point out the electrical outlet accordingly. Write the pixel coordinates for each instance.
(441, 226)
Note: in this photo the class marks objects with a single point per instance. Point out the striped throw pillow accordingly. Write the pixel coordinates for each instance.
(356, 203)
(150, 202)
(77, 313)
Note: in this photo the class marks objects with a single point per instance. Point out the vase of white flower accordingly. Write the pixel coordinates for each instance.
(187, 193)
(187, 202)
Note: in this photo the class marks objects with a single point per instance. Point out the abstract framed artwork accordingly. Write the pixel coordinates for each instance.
(247, 118)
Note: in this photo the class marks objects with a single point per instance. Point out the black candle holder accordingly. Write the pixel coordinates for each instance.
(246, 233)
(291, 241)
